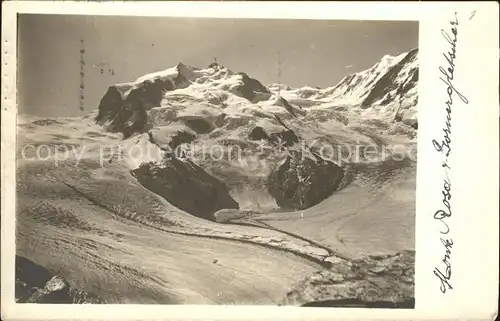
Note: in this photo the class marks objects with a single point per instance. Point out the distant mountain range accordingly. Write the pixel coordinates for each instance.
(204, 186)
(386, 90)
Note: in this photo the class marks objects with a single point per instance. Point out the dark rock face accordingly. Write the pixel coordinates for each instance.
(30, 272)
(35, 284)
(301, 181)
(386, 83)
(220, 120)
(214, 65)
(124, 106)
(287, 137)
(258, 133)
(186, 186)
(110, 104)
(199, 125)
(56, 290)
(182, 137)
(250, 87)
(122, 115)
(371, 282)
(293, 111)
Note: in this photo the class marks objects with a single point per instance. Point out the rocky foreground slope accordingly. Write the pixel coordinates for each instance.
(35, 284)
(371, 282)
(205, 186)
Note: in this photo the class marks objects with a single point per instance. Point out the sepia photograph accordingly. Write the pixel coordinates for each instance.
(169, 160)
(223, 160)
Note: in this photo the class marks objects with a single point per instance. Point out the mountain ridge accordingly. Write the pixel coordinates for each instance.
(382, 87)
(205, 186)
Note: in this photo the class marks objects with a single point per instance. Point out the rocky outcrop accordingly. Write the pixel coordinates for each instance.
(302, 180)
(389, 87)
(199, 124)
(371, 282)
(390, 82)
(35, 284)
(46, 122)
(282, 135)
(175, 141)
(413, 123)
(125, 115)
(258, 133)
(227, 215)
(187, 186)
(286, 137)
(293, 110)
(182, 137)
(250, 87)
(215, 66)
(123, 107)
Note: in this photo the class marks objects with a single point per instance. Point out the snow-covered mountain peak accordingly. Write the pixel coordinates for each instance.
(388, 60)
(386, 90)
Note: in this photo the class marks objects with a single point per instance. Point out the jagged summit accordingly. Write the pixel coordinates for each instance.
(386, 90)
(358, 85)
(124, 107)
(397, 85)
(285, 170)
(179, 70)
(215, 65)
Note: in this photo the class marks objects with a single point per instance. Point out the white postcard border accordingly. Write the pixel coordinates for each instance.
(474, 158)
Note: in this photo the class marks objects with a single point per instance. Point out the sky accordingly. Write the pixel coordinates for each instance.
(312, 52)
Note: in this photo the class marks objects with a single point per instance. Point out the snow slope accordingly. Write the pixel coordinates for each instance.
(386, 89)
(84, 216)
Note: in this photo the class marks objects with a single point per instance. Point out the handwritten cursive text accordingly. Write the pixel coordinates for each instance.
(443, 146)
